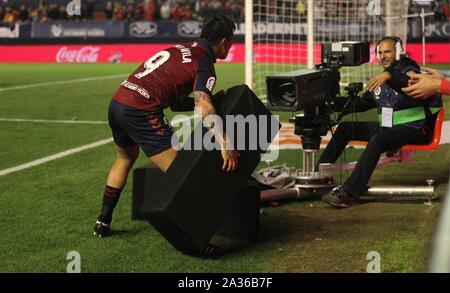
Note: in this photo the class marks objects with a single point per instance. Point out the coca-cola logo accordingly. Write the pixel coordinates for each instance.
(85, 54)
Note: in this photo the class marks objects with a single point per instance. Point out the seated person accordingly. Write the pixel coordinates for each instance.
(402, 120)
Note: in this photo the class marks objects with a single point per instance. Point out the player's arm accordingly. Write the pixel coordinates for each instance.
(203, 104)
(189, 104)
(203, 88)
(423, 87)
(204, 108)
(433, 73)
(204, 83)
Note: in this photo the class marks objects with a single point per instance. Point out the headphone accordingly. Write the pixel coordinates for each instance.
(399, 50)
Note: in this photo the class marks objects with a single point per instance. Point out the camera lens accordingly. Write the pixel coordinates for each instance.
(286, 93)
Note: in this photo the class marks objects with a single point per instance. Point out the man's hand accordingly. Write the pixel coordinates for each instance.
(422, 86)
(229, 156)
(378, 80)
(431, 72)
(230, 159)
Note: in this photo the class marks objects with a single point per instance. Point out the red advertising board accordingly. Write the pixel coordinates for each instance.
(435, 53)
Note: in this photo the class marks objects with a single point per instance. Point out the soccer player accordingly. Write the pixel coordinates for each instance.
(165, 80)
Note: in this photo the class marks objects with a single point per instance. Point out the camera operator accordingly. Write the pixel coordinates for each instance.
(402, 120)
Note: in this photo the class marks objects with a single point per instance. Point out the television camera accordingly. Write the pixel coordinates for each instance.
(316, 92)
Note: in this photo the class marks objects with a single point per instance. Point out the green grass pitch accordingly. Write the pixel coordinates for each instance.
(48, 210)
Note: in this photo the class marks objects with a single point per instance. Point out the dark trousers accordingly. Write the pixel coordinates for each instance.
(380, 140)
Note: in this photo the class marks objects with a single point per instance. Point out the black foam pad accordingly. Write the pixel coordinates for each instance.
(194, 196)
(241, 222)
(145, 179)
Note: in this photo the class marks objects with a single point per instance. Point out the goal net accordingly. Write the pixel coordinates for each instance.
(280, 32)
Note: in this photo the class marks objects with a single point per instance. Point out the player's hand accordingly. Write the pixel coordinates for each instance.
(413, 77)
(432, 72)
(428, 73)
(423, 87)
(230, 159)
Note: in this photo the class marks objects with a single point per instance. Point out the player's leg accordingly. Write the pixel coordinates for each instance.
(117, 178)
(164, 159)
(154, 136)
(127, 152)
(125, 159)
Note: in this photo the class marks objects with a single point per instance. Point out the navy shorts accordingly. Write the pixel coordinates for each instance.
(150, 130)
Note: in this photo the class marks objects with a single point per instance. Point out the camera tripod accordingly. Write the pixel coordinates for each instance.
(317, 179)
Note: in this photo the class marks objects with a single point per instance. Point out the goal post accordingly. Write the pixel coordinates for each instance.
(249, 43)
(286, 35)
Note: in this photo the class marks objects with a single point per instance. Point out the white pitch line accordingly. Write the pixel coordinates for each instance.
(71, 121)
(52, 121)
(26, 86)
(68, 152)
(109, 140)
(55, 156)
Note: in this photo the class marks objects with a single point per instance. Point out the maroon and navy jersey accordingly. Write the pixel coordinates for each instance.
(170, 76)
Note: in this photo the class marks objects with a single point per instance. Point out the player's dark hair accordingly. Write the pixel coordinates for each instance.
(217, 28)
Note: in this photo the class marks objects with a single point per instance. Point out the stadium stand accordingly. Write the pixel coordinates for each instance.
(103, 10)
(176, 10)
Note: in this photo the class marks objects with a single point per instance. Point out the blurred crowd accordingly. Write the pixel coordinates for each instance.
(12, 11)
(103, 10)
